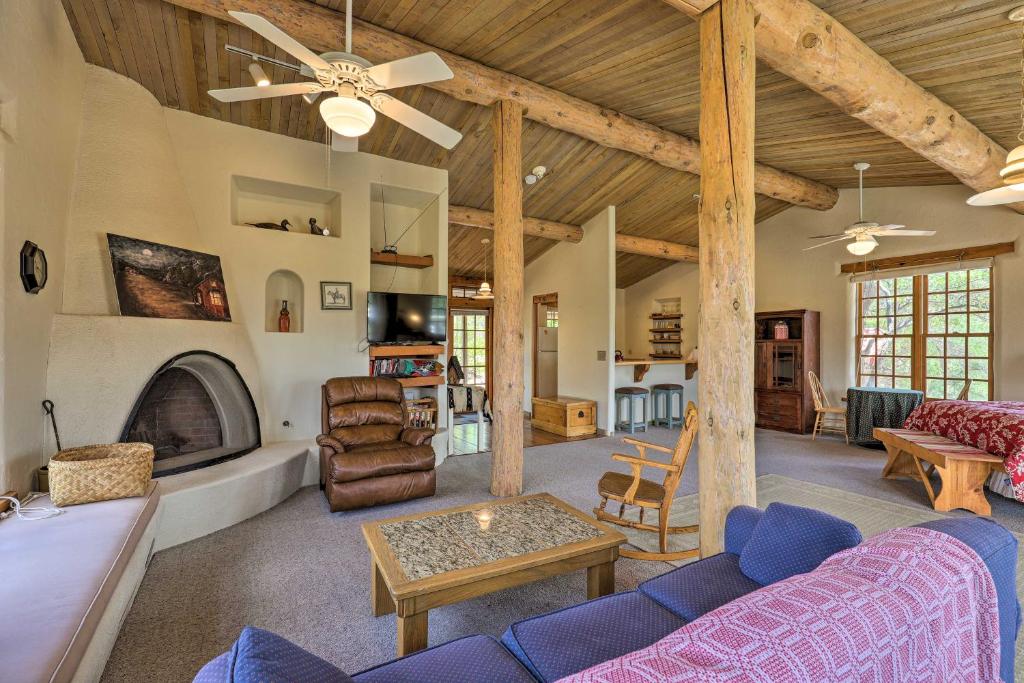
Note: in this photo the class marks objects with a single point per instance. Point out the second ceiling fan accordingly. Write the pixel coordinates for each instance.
(863, 233)
(357, 84)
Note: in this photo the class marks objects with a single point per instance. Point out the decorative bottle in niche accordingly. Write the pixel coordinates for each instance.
(284, 321)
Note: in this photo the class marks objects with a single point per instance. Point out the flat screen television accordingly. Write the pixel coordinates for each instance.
(394, 318)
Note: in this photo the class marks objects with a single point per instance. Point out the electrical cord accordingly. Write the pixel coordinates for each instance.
(30, 514)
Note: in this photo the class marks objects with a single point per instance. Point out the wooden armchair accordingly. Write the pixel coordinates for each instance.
(632, 489)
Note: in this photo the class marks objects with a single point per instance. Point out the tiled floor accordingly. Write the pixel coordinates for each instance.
(464, 436)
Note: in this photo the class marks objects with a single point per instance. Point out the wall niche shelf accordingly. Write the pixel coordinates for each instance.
(284, 285)
(381, 258)
(257, 200)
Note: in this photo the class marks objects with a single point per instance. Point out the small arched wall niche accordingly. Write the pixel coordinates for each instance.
(284, 285)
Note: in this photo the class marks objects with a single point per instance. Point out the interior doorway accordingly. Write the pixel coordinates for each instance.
(545, 345)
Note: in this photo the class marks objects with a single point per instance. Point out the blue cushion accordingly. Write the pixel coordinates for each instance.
(739, 524)
(695, 589)
(260, 656)
(217, 670)
(473, 659)
(573, 639)
(792, 540)
(997, 548)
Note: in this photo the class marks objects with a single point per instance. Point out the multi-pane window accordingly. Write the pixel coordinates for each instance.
(958, 340)
(930, 332)
(551, 318)
(465, 292)
(885, 337)
(469, 344)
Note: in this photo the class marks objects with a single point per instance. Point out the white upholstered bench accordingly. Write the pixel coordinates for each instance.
(67, 584)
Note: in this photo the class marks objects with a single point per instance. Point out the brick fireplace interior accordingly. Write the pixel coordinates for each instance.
(196, 411)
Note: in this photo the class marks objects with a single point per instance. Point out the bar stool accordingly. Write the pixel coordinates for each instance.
(631, 393)
(667, 391)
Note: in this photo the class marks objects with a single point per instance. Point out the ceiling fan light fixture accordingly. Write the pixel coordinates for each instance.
(259, 76)
(862, 246)
(347, 116)
(1013, 172)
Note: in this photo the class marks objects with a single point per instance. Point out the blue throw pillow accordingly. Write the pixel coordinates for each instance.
(792, 540)
(260, 656)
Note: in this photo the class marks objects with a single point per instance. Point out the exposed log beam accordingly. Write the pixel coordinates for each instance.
(797, 39)
(320, 28)
(507, 402)
(535, 227)
(566, 232)
(725, 392)
(644, 246)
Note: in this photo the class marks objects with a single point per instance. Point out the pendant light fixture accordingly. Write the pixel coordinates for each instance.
(863, 244)
(484, 292)
(1013, 173)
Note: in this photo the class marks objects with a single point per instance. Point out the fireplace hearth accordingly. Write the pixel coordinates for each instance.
(196, 411)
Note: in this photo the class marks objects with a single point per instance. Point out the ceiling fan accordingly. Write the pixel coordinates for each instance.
(357, 84)
(863, 233)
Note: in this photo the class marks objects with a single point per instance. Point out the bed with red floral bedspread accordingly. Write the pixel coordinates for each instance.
(996, 427)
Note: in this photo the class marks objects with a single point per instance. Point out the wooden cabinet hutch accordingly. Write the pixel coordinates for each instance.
(782, 395)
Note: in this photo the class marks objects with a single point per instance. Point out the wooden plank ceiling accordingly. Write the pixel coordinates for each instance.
(638, 57)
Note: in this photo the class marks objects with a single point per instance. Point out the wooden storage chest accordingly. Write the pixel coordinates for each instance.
(565, 415)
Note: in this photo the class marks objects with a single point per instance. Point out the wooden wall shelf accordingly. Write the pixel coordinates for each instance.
(431, 381)
(410, 351)
(666, 316)
(401, 260)
(391, 351)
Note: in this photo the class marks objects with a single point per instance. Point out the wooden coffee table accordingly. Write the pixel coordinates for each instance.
(441, 557)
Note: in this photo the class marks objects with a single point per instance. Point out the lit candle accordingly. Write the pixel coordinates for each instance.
(483, 518)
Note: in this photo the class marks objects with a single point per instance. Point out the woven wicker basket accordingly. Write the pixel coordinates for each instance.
(93, 473)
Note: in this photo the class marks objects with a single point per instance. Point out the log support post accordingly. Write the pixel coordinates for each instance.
(726, 321)
(507, 402)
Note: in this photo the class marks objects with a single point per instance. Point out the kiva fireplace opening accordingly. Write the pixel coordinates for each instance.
(197, 411)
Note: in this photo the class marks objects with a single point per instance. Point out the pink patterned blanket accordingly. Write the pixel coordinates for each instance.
(996, 427)
(907, 605)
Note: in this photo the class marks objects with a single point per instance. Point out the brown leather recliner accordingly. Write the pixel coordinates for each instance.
(367, 454)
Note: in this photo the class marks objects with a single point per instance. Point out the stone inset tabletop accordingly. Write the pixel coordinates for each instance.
(450, 541)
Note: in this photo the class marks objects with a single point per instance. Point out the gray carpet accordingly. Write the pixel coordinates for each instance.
(304, 573)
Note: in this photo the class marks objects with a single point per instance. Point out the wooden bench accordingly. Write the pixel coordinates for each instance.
(962, 469)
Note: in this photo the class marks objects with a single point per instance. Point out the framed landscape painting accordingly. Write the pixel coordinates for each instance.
(159, 281)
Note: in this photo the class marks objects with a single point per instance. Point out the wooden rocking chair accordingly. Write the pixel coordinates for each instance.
(631, 489)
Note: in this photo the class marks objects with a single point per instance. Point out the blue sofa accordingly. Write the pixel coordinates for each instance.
(761, 547)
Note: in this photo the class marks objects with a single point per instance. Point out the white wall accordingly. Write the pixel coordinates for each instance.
(583, 275)
(165, 175)
(677, 281)
(41, 83)
(787, 277)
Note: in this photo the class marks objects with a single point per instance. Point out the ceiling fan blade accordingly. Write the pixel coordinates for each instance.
(838, 239)
(412, 118)
(342, 143)
(281, 39)
(904, 233)
(821, 237)
(424, 68)
(891, 226)
(257, 92)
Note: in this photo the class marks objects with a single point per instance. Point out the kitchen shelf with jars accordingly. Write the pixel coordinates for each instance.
(666, 331)
(284, 302)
